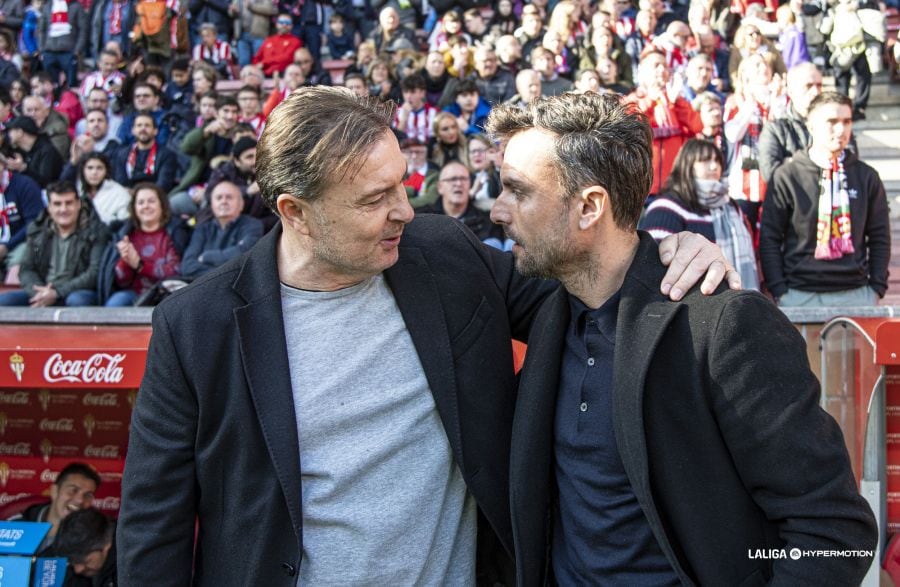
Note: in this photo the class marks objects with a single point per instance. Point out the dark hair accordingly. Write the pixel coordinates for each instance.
(681, 179)
(82, 469)
(81, 533)
(61, 187)
(94, 156)
(43, 76)
(145, 115)
(5, 98)
(226, 100)
(163, 202)
(412, 82)
(318, 135)
(828, 98)
(181, 64)
(100, 110)
(210, 94)
(600, 140)
(248, 88)
(466, 86)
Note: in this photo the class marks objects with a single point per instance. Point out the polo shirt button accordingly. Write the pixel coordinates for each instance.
(591, 362)
(288, 569)
(583, 406)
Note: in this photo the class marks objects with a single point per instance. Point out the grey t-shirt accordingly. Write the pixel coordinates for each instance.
(384, 503)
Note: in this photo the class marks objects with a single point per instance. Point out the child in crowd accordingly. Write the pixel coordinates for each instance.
(341, 43)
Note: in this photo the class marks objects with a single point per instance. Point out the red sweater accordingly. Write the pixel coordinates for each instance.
(277, 52)
(160, 258)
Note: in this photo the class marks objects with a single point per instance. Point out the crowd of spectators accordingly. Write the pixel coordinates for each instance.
(131, 125)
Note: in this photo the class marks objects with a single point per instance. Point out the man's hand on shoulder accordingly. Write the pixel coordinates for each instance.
(690, 257)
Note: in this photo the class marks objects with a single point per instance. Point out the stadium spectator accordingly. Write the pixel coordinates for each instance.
(146, 250)
(696, 199)
(98, 99)
(63, 36)
(825, 238)
(145, 100)
(251, 108)
(418, 170)
(415, 116)
(13, 15)
(485, 180)
(588, 80)
(95, 183)
(107, 77)
(709, 43)
(72, 491)
(453, 186)
(241, 171)
(255, 27)
(698, 78)
(748, 40)
(531, 32)
(32, 153)
(110, 22)
(356, 83)
(509, 53)
(528, 87)
(602, 43)
(215, 12)
(145, 159)
(313, 73)
(213, 51)
(710, 108)
(389, 29)
(229, 235)
(477, 27)
(293, 79)
(469, 108)
(436, 77)
(641, 37)
(496, 85)
(340, 39)
(59, 98)
(20, 204)
(86, 539)
(543, 61)
(62, 255)
(381, 81)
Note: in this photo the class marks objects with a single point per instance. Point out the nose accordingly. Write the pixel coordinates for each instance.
(402, 211)
(499, 211)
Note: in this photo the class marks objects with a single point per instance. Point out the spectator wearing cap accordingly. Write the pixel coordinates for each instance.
(33, 153)
(203, 145)
(241, 171)
(469, 108)
(415, 116)
(277, 50)
(389, 29)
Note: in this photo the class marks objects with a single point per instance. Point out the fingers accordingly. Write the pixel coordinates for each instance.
(694, 259)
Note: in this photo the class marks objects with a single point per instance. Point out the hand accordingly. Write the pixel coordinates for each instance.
(676, 85)
(44, 296)
(213, 128)
(689, 256)
(15, 162)
(253, 189)
(128, 253)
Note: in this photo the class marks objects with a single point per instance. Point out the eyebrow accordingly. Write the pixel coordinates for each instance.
(515, 183)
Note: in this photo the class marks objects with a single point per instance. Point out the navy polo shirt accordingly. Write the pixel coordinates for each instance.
(600, 533)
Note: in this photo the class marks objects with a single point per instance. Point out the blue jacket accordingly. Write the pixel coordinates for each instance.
(211, 245)
(23, 204)
(476, 124)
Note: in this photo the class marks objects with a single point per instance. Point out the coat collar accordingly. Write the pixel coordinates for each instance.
(261, 337)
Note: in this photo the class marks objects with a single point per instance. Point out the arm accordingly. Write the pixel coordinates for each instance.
(28, 275)
(81, 25)
(248, 231)
(687, 116)
(159, 492)
(789, 453)
(878, 237)
(771, 151)
(30, 205)
(190, 262)
(776, 215)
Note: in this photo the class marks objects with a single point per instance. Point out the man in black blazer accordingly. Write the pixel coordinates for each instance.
(655, 442)
(268, 413)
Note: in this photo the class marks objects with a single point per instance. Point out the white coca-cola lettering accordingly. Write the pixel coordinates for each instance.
(107, 503)
(6, 498)
(104, 400)
(18, 448)
(48, 476)
(108, 451)
(16, 398)
(61, 425)
(98, 368)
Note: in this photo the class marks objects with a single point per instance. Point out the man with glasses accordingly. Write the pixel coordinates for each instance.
(97, 99)
(454, 184)
(312, 71)
(145, 100)
(277, 51)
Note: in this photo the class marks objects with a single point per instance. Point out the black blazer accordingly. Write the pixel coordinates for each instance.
(213, 432)
(718, 424)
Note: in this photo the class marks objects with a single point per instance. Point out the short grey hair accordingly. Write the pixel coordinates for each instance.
(316, 137)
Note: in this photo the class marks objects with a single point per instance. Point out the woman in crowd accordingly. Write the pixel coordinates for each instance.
(95, 183)
(148, 248)
(601, 44)
(436, 77)
(759, 98)
(748, 40)
(504, 21)
(447, 141)
(203, 78)
(485, 177)
(696, 199)
(18, 89)
(449, 26)
(381, 81)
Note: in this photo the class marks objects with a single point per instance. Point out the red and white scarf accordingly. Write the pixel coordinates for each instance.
(59, 19)
(115, 17)
(149, 167)
(834, 237)
(95, 79)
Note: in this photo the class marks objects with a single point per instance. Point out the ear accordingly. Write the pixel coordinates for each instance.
(296, 213)
(593, 205)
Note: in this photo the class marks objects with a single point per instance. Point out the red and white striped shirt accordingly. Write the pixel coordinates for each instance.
(96, 80)
(219, 53)
(418, 123)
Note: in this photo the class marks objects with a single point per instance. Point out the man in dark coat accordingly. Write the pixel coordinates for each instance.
(655, 443)
(392, 392)
(33, 153)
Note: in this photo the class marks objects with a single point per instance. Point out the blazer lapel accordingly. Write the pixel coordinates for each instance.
(419, 301)
(644, 315)
(531, 459)
(260, 327)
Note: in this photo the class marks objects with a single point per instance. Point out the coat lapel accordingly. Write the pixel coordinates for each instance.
(644, 315)
(531, 460)
(419, 301)
(261, 335)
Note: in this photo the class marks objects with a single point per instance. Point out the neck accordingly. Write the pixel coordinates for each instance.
(150, 226)
(455, 210)
(27, 142)
(822, 156)
(143, 146)
(298, 266)
(223, 222)
(599, 275)
(64, 232)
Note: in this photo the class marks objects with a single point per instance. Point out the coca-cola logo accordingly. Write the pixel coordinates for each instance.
(16, 398)
(6, 498)
(48, 476)
(107, 503)
(61, 425)
(98, 368)
(106, 400)
(107, 451)
(18, 448)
